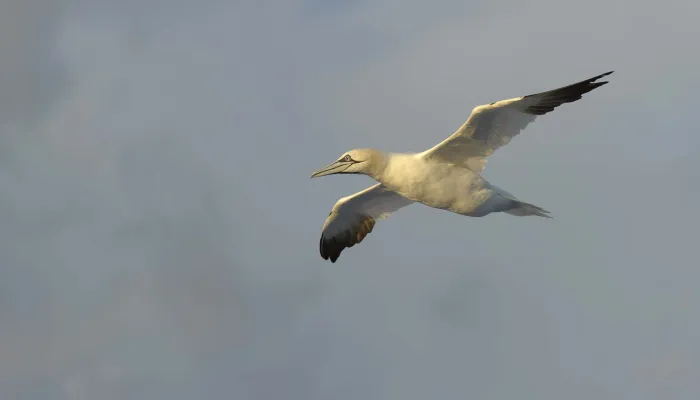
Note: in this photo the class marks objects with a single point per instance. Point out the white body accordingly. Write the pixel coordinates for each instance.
(440, 185)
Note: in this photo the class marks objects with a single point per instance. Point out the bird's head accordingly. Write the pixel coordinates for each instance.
(358, 161)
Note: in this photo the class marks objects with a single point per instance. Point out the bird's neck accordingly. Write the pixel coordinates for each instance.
(390, 166)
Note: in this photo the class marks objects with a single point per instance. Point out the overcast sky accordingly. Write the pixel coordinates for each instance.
(159, 230)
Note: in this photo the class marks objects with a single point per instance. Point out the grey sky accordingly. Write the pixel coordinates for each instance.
(159, 230)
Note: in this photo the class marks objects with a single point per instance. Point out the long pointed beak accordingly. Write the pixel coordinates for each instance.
(331, 169)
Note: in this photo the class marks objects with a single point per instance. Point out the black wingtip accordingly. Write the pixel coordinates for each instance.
(595, 85)
(548, 101)
(330, 250)
(320, 247)
(595, 78)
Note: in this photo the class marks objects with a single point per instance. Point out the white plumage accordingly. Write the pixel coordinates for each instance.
(447, 176)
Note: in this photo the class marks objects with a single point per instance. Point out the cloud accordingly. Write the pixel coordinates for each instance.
(114, 238)
(30, 77)
(159, 228)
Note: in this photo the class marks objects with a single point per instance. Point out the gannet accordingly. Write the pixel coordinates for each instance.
(447, 176)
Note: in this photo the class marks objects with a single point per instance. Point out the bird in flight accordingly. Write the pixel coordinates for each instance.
(447, 176)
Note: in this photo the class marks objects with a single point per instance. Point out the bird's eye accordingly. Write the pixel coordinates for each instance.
(347, 157)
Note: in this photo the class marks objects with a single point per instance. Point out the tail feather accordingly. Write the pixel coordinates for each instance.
(522, 209)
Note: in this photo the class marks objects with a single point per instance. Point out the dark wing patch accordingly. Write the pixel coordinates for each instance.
(331, 247)
(567, 94)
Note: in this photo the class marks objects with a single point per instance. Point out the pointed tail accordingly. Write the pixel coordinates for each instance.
(522, 209)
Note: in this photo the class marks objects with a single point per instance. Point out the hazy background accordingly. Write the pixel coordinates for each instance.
(159, 230)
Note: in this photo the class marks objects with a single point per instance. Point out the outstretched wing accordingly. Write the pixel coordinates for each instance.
(493, 125)
(354, 217)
